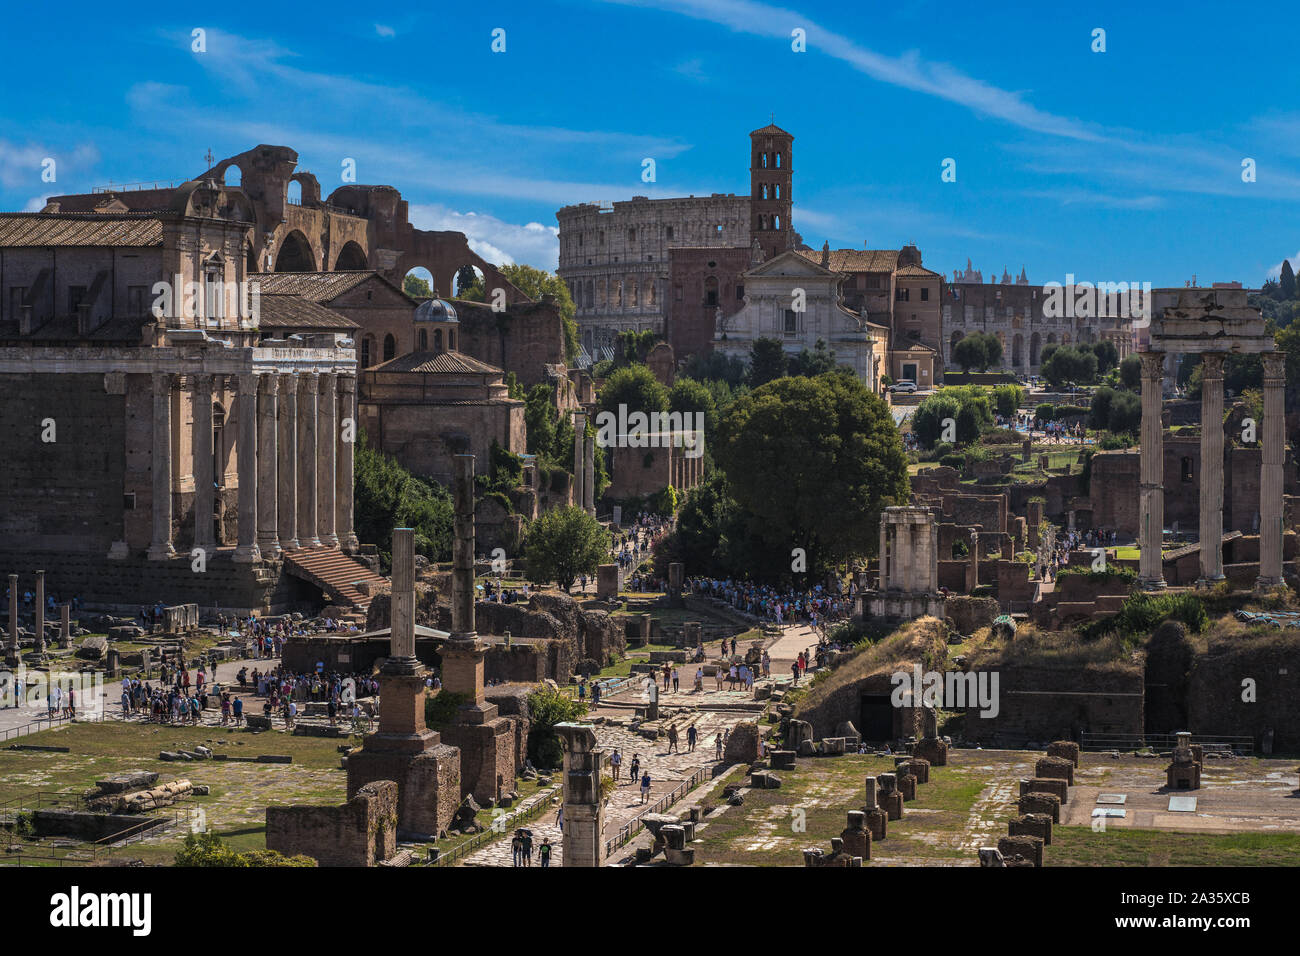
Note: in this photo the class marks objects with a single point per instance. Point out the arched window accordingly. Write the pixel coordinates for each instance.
(424, 339)
(631, 235)
(764, 190)
(776, 222)
(437, 340)
(778, 160)
(776, 191)
(764, 162)
(367, 347)
(390, 347)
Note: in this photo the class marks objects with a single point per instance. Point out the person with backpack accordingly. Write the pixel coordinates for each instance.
(545, 851)
(645, 787)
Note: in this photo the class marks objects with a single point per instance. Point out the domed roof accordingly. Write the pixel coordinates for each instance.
(435, 310)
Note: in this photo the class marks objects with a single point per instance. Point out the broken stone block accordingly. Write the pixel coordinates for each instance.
(907, 787)
(1055, 767)
(892, 803)
(1048, 803)
(1032, 824)
(782, 759)
(1026, 847)
(1065, 749)
(1053, 785)
(832, 746)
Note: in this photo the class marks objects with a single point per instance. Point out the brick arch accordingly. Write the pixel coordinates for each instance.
(351, 257)
(294, 253)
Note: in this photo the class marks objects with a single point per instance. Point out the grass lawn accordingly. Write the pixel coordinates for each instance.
(1121, 846)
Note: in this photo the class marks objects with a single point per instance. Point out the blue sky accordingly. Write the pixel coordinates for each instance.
(1122, 165)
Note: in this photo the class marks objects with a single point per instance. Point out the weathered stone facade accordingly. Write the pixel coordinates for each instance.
(361, 832)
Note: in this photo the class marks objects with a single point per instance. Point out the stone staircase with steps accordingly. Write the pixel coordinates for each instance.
(336, 574)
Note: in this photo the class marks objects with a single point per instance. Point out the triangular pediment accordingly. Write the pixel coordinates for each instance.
(789, 264)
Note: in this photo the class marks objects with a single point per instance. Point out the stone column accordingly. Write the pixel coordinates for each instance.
(402, 633)
(247, 551)
(308, 394)
(203, 471)
(1151, 516)
(65, 626)
(326, 443)
(161, 466)
(11, 656)
(1272, 455)
(584, 804)
(974, 560)
(589, 475)
(883, 582)
(1211, 467)
(268, 469)
(288, 464)
(579, 467)
(462, 555)
(40, 612)
(343, 485)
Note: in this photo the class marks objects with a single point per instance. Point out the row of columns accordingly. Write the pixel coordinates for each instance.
(65, 619)
(1272, 437)
(295, 462)
(686, 471)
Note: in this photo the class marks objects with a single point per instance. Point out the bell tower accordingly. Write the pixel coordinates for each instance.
(770, 177)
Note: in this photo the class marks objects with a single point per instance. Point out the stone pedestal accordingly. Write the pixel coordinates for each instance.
(607, 582)
(584, 804)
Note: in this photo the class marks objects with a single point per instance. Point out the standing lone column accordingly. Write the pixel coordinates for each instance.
(1152, 514)
(579, 468)
(589, 475)
(288, 464)
(203, 487)
(161, 466)
(1211, 467)
(308, 395)
(11, 654)
(1270, 475)
(347, 443)
(268, 472)
(462, 554)
(40, 612)
(247, 551)
(326, 443)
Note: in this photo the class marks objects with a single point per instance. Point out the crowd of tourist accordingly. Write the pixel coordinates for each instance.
(815, 606)
(1058, 557)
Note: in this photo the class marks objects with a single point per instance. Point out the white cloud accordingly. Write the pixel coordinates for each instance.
(37, 203)
(494, 239)
(385, 31)
(23, 165)
(1276, 270)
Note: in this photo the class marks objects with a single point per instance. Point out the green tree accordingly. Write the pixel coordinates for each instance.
(967, 405)
(207, 850)
(469, 284)
(546, 708)
(1068, 365)
(416, 287)
(1007, 398)
(636, 387)
(795, 444)
(971, 352)
(817, 361)
(688, 395)
(536, 283)
(387, 496)
(766, 362)
(992, 351)
(1130, 373)
(1107, 355)
(539, 420)
(564, 543)
(1286, 281)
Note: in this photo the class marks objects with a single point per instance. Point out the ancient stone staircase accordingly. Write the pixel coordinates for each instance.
(335, 573)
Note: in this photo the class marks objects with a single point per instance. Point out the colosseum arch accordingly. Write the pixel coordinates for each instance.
(295, 254)
(231, 175)
(351, 258)
(1035, 345)
(1017, 350)
(952, 343)
(308, 189)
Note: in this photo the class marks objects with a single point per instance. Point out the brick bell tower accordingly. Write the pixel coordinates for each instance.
(770, 177)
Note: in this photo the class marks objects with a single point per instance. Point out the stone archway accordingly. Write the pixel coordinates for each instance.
(295, 254)
(351, 258)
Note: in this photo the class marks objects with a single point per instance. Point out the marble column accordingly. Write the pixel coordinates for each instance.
(402, 632)
(882, 582)
(579, 468)
(161, 466)
(203, 469)
(347, 444)
(589, 475)
(462, 555)
(288, 463)
(1272, 456)
(65, 625)
(326, 445)
(40, 612)
(1151, 516)
(268, 470)
(308, 395)
(1211, 467)
(246, 550)
(12, 654)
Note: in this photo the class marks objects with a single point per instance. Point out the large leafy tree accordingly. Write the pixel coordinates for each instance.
(1107, 356)
(766, 362)
(636, 387)
(811, 462)
(977, 350)
(967, 405)
(533, 283)
(1068, 365)
(564, 543)
(388, 496)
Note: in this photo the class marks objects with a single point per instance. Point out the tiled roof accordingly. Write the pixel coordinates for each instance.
(917, 272)
(295, 312)
(770, 128)
(64, 329)
(316, 286)
(855, 260)
(62, 229)
(439, 363)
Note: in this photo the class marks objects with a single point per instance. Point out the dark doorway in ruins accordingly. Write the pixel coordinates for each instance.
(295, 254)
(876, 717)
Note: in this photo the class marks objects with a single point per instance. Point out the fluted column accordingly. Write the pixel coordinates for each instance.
(288, 463)
(327, 442)
(308, 396)
(1151, 517)
(579, 469)
(589, 474)
(347, 444)
(883, 582)
(1270, 476)
(12, 654)
(40, 612)
(202, 441)
(1211, 467)
(161, 467)
(268, 469)
(247, 550)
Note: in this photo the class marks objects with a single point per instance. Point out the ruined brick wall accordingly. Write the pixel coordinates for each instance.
(1037, 702)
(1215, 689)
(519, 662)
(361, 832)
(695, 274)
(524, 339)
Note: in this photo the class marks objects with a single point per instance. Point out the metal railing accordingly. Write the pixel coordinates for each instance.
(1238, 745)
(633, 826)
(500, 827)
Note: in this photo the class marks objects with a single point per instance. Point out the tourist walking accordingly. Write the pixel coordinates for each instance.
(545, 851)
(691, 735)
(645, 787)
(672, 740)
